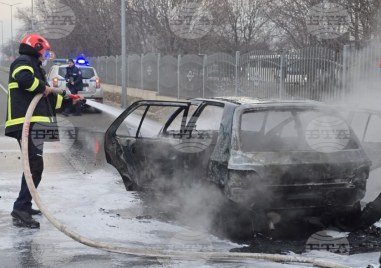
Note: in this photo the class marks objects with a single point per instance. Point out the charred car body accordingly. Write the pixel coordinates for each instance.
(273, 160)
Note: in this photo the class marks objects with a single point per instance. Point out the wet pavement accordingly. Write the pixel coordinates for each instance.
(86, 194)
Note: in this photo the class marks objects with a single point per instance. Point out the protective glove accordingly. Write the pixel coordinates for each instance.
(66, 93)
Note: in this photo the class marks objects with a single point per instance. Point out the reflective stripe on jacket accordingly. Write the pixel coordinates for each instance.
(26, 79)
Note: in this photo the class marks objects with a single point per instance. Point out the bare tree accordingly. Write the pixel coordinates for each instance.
(243, 24)
(97, 27)
(364, 19)
(291, 18)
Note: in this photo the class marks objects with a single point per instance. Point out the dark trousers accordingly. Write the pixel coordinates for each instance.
(68, 106)
(36, 164)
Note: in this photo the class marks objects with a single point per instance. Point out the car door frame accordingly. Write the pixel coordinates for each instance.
(192, 126)
(120, 151)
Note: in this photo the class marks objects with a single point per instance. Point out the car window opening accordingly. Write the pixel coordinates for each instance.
(87, 73)
(285, 130)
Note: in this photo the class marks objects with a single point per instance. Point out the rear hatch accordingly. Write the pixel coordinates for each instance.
(297, 157)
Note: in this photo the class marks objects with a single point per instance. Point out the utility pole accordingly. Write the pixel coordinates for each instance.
(32, 21)
(2, 34)
(11, 6)
(2, 40)
(124, 55)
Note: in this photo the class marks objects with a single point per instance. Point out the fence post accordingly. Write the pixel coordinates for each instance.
(178, 75)
(158, 73)
(282, 68)
(345, 70)
(106, 76)
(116, 69)
(127, 74)
(141, 71)
(237, 55)
(101, 70)
(204, 74)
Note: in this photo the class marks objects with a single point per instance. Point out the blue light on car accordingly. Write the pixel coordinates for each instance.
(81, 60)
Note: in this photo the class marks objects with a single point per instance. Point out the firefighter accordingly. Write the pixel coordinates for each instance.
(26, 79)
(74, 84)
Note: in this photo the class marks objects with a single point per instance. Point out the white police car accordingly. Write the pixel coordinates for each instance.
(91, 82)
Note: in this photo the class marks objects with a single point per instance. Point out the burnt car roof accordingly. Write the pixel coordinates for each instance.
(248, 101)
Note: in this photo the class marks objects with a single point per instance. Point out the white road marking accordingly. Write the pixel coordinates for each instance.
(4, 89)
(6, 92)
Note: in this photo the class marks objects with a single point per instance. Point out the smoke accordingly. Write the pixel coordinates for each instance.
(187, 197)
(362, 78)
(178, 181)
(364, 87)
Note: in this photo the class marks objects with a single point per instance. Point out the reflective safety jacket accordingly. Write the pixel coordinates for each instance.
(26, 79)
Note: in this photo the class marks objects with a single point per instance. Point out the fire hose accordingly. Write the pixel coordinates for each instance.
(146, 252)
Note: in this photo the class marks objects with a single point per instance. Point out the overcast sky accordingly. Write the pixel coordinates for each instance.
(5, 16)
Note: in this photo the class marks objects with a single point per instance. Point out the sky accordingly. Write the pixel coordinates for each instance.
(5, 16)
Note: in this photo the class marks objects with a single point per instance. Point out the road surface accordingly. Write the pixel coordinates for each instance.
(88, 195)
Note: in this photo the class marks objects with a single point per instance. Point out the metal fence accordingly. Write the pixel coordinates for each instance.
(362, 76)
(313, 73)
(310, 73)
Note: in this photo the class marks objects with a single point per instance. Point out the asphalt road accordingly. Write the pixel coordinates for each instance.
(88, 195)
(3, 100)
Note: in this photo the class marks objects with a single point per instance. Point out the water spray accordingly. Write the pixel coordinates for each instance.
(146, 252)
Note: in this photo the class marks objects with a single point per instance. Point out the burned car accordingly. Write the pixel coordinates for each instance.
(273, 161)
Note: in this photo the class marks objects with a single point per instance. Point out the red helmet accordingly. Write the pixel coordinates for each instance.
(40, 44)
